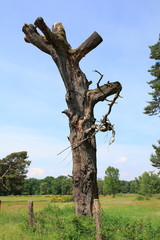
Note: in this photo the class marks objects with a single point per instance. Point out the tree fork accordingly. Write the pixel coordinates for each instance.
(80, 101)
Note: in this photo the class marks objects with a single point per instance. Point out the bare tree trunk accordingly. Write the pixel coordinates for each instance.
(85, 177)
(80, 101)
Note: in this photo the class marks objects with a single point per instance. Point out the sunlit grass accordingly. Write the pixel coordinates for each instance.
(129, 206)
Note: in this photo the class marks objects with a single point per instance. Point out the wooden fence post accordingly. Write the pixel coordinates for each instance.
(98, 219)
(30, 213)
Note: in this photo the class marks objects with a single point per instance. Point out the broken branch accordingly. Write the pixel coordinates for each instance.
(45, 30)
(101, 76)
(110, 107)
(32, 36)
(92, 42)
(108, 89)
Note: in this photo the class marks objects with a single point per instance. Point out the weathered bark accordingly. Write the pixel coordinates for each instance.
(80, 101)
(30, 213)
(97, 216)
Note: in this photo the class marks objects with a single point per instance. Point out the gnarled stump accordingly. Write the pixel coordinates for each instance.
(80, 101)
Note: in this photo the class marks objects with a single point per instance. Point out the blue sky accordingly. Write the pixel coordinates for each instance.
(32, 92)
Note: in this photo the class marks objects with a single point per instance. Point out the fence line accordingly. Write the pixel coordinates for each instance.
(30, 213)
(98, 219)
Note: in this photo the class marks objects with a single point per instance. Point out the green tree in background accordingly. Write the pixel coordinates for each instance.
(13, 170)
(43, 188)
(149, 183)
(155, 158)
(62, 185)
(153, 107)
(124, 186)
(49, 182)
(145, 184)
(134, 186)
(111, 181)
(100, 184)
(31, 186)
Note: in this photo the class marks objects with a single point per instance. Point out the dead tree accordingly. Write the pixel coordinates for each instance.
(80, 101)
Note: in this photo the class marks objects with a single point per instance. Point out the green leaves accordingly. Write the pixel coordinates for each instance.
(153, 107)
(155, 158)
(13, 169)
(111, 181)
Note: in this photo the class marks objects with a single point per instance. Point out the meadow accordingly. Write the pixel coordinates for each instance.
(126, 217)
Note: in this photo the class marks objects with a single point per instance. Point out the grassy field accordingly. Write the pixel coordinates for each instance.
(133, 205)
(126, 217)
(18, 204)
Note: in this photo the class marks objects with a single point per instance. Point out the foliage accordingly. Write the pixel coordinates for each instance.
(64, 225)
(31, 186)
(149, 183)
(13, 170)
(61, 185)
(145, 187)
(123, 218)
(153, 107)
(141, 198)
(146, 184)
(134, 186)
(100, 184)
(111, 181)
(124, 186)
(155, 158)
(123, 228)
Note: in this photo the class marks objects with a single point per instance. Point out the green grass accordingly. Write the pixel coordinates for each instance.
(126, 217)
(128, 205)
(18, 204)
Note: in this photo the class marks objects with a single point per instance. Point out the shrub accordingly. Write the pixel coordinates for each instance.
(140, 198)
(62, 224)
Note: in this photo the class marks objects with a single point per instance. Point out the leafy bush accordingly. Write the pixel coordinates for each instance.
(62, 224)
(125, 228)
(141, 198)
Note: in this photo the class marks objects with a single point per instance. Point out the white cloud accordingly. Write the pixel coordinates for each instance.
(121, 160)
(36, 172)
(133, 159)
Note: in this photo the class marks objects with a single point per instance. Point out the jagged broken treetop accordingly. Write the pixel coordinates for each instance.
(54, 43)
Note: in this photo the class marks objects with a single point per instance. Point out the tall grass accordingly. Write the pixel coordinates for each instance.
(124, 218)
(62, 224)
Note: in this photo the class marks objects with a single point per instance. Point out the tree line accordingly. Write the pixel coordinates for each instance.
(146, 184)
(14, 168)
(61, 185)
